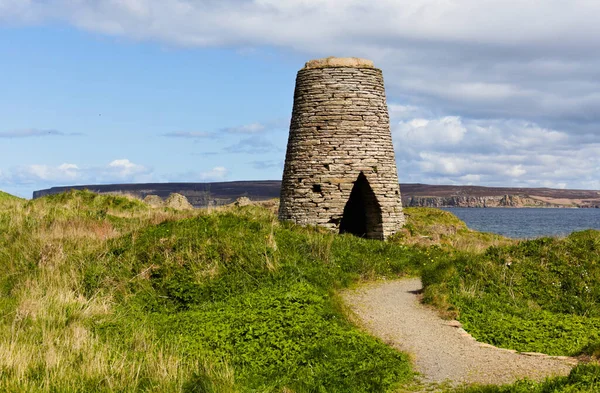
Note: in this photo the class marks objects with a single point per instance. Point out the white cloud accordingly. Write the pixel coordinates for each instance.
(515, 171)
(431, 162)
(499, 152)
(121, 170)
(24, 179)
(494, 58)
(446, 130)
(403, 112)
(242, 21)
(124, 168)
(252, 128)
(19, 11)
(245, 129)
(470, 179)
(501, 92)
(44, 173)
(217, 173)
(252, 145)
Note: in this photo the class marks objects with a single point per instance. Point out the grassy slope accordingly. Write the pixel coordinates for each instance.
(5, 196)
(539, 295)
(241, 289)
(428, 227)
(103, 294)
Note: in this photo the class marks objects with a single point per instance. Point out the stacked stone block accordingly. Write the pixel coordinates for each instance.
(340, 130)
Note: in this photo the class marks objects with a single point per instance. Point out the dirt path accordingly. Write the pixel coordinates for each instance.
(442, 352)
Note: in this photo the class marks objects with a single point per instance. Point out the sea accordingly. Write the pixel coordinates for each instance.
(528, 223)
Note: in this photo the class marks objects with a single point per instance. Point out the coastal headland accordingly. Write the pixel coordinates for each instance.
(413, 194)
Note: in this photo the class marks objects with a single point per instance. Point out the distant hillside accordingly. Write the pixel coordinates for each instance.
(199, 194)
(220, 193)
(476, 196)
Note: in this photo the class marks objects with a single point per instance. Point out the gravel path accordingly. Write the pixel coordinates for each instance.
(441, 350)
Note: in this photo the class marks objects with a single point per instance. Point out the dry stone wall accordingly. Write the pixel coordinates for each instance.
(340, 130)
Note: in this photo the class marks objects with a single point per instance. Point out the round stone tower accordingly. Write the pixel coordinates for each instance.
(340, 171)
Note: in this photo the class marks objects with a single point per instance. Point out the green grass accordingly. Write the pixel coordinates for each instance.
(5, 196)
(427, 227)
(100, 293)
(103, 294)
(540, 295)
(239, 288)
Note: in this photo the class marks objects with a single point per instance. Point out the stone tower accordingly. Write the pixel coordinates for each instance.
(340, 171)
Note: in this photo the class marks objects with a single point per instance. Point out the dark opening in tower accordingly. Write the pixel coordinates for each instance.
(362, 213)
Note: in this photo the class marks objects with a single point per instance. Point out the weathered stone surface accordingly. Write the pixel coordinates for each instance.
(353, 62)
(340, 130)
(242, 201)
(154, 201)
(178, 202)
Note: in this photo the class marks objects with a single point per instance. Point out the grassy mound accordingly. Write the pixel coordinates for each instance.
(238, 288)
(428, 227)
(89, 201)
(103, 294)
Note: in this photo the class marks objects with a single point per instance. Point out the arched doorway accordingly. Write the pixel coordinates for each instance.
(362, 213)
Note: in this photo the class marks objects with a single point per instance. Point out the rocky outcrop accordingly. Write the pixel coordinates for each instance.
(178, 202)
(243, 201)
(475, 201)
(174, 201)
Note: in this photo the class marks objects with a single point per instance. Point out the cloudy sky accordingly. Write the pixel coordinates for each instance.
(484, 92)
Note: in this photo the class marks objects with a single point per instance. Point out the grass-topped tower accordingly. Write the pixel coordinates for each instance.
(340, 171)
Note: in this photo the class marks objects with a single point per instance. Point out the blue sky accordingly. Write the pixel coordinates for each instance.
(175, 114)
(179, 90)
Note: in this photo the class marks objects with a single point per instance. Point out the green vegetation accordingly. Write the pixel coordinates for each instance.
(538, 296)
(4, 196)
(238, 286)
(582, 379)
(102, 293)
(428, 227)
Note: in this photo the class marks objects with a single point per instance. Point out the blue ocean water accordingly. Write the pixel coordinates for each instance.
(528, 223)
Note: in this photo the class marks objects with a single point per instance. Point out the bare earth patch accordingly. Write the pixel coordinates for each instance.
(442, 351)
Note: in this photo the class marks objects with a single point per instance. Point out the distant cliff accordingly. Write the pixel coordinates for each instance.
(220, 193)
(198, 194)
(475, 201)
